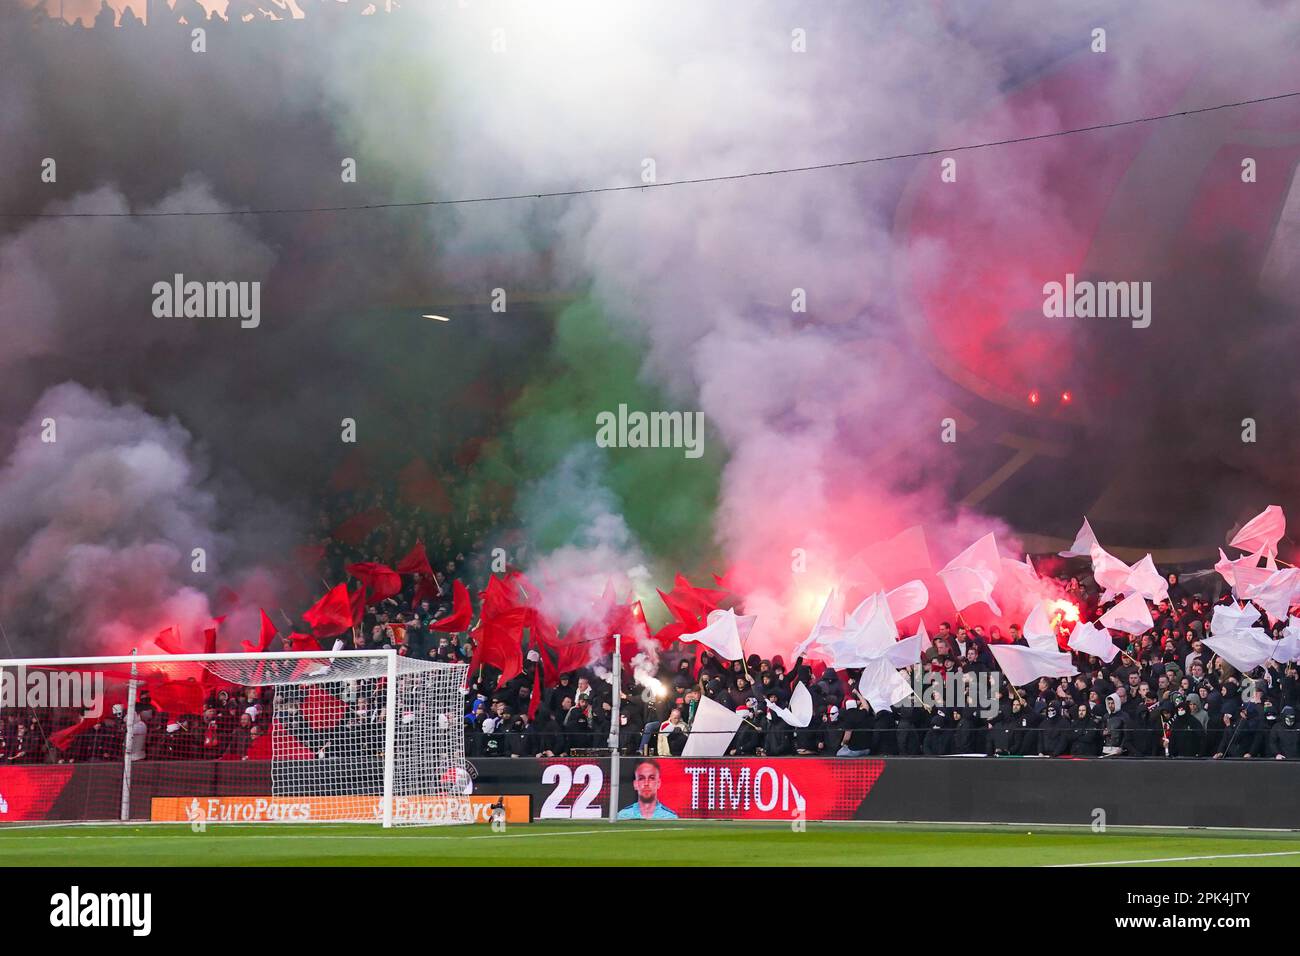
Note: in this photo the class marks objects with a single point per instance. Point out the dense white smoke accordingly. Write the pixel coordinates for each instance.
(101, 508)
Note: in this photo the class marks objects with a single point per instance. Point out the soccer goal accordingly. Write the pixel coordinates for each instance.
(302, 736)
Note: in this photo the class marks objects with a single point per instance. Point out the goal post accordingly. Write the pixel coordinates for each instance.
(363, 736)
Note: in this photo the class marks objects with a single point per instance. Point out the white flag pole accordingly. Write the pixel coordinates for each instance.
(613, 727)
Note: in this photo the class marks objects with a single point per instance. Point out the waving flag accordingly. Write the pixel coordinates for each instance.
(1094, 640)
(1038, 631)
(721, 635)
(801, 707)
(1023, 665)
(1084, 542)
(908, 599)
(1147, 581)
(1244, 573)
(1288, 649)
(832, 616)
(971, 576)
(264, 637)
(382, 581)
(462, 612)
(882, 686)
(1245, 648)
(1261, 533)
(1109, 571)
(332, 614)
(1131, 615)
(1276, 593)
(866, 636)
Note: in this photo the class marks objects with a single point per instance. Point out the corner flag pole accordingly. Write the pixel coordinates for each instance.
(614, 729)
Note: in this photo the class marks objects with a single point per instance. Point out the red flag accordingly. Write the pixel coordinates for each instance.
(332, 614)
(170, 641)
(498, 597)
(178, 696)
(265, 637)
(669, 633)
(461, 611)
(707, 596)
(499, 642)
(302, 642)
(574, 654)
(684, 611)
(415, 562)
(382, 581)
(357, 602)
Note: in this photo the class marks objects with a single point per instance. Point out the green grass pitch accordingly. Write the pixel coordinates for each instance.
(652, 844)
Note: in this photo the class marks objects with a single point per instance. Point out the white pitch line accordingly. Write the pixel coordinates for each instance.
(1179, 859)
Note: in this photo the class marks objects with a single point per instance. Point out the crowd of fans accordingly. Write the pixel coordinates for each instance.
(1166, 695)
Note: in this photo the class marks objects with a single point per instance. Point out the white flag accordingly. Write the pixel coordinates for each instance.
(908, 599)
(882, 686)
(856, 643)
(1094, 640)
(1229, 617)
(832, 615)
(971, 576)
(722, 636)
(1146, 580)
(712, 730)
(1083, 542)
(1261, 533)
(744, 623)
(1131, 615)
(801, 707)
(1023, 665)
(1288, 649)
(1276, 593)
(1245, 649)
(905, 653)
(1109, 571)
(1038, 631)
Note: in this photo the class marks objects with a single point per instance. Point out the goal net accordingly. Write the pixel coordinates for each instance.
(344, 736)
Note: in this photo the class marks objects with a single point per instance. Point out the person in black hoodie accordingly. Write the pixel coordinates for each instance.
(1086, 739)
(885, 725)
(967, 733)
(936, 738)
(1186, 735)
(1014, 729)
(1055, 732)
(1284, 738)
(1247, 739)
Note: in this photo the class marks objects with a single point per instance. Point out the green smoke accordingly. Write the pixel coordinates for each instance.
(666, 499)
